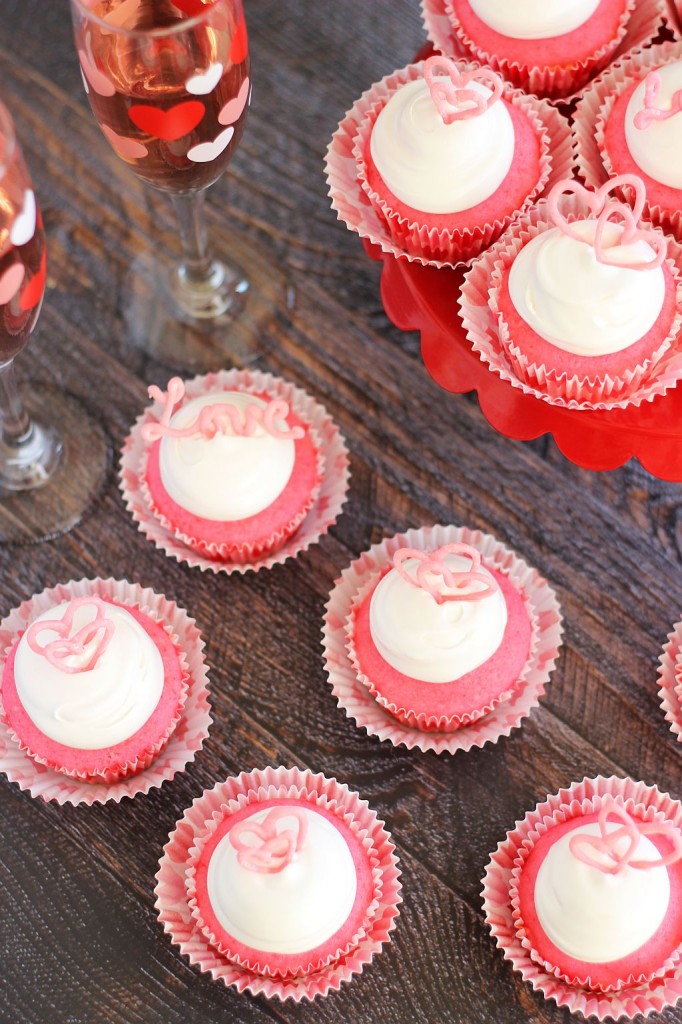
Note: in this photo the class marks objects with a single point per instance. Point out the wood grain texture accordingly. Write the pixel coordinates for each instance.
(79, 941)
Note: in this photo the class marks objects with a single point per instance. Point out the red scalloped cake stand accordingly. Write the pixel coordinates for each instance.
(424, 299)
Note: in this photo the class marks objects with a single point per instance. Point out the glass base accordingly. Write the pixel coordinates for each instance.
(223, 324)
(68, 468)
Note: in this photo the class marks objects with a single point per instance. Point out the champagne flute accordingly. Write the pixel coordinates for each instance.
(169, 84)
(47, 478)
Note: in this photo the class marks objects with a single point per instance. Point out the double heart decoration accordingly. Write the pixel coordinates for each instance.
(651, 112)
(451, 93)
(433, 564)
(269, 849)
(221, 418)
(89, 642)
(609, 211)
(612, 851)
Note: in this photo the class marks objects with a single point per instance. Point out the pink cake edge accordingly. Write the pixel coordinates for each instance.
(128, 757)
(480, 323)
(176, 918)
(417, 236)
(359, 705)
(628, 1002)
(423, 721)
(271, 964)
(320, 518)
(185, 741)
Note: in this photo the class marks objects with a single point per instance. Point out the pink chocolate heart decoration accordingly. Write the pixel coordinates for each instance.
(615, 213)
(98, 81)
(170, 124)
(10, 282)
(207, 151)
(96, 634)
(269, 850)
(433, 564)
(232, 110)
(449, 90)
(605, 852)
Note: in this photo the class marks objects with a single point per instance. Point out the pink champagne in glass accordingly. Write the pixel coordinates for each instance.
(169, 84)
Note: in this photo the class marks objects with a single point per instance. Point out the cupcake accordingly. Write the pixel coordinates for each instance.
(231, 472)
(448, 156)
(639, 131)
(281, 879)
(585, 897)
(584, 301)
(93, 687)
(549, 47)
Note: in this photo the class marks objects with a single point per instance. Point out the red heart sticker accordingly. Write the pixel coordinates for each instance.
(190, 7)
(239, 47)
(33, 292)
(170, 124)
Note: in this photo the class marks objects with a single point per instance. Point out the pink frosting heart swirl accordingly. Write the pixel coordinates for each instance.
(612, 851)
(433, 564)
(90, 640)
(449, 90)
(269, 850)
(650, 111)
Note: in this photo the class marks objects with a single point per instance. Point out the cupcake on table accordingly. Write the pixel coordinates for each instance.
(630, 122)
(585, 305)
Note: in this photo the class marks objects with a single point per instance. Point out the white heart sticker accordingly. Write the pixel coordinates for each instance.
(24, 226)
(207, 151)
(200, 85)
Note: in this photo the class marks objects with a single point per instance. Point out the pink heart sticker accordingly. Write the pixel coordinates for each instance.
(129, 149)
(232, 110)
(207, 151)
(10, 282)
(102, 85)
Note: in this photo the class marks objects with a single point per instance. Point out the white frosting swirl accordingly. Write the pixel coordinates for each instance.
(578, 304)
(657, 149)
(595, 916)
(436, 643)
(99, 707)
(292, 910)
(436, 167)
(228, 477)
(534, 19)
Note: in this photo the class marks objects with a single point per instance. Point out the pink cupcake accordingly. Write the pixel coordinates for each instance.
(549, 48)
(231, 472)
(94, 686)
(585, 303)
(448, 156)
(585, 897)
(638, 130)
(280, 881)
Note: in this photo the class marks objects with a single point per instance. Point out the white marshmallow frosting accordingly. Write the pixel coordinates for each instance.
(436, 643)
(103, 705)
(534, 19)
(228, 477)
(292, 910)
(657, 149)
(578, 304)
(436, 167)
(594, 916)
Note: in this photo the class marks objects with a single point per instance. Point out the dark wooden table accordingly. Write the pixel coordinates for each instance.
(79, 940)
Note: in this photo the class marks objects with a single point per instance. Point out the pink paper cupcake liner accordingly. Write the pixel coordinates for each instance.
(646, 19)
(499, 902)
(478, 311)
(173, 902)
(353, 205)
(327, 505)
(184, 741)
(353, 695)
(593, 111)
(670, 678)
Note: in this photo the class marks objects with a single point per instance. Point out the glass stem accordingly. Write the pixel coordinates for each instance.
(15, 423)
(196, 267)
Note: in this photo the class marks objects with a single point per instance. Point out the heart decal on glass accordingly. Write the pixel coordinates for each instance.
(129, 149)
(86, 644)
(102, 85)
(200, 85)
(170, 124)
(239, 46)
(10, 282)
(24, 226)
(33, 292)
(207, 151)
(269, 850)
(433, 564)
(190, 7)
(232, 110)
